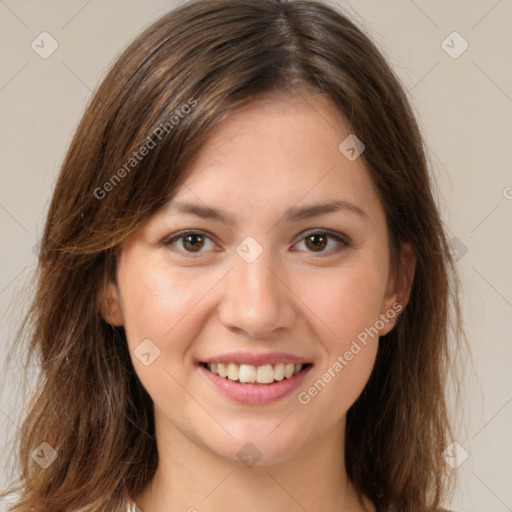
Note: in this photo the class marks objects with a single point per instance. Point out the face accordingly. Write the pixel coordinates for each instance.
(243, 266)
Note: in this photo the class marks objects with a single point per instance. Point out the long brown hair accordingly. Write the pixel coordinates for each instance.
(170, 87)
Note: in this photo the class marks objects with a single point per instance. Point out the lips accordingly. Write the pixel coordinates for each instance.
(255, 378)
(255, 393)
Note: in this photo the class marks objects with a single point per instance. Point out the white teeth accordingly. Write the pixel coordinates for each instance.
(279, 371)
(265, 374)
(247, 373)
(288, 370)
(233, 371)
(223, 372)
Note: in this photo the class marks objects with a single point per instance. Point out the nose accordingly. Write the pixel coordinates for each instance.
(256, 299)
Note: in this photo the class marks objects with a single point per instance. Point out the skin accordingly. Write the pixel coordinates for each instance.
(277, 152)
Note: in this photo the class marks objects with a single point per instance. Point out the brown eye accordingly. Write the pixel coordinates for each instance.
(193, 243)
(316, 242)
(324, 243)
(190, 242)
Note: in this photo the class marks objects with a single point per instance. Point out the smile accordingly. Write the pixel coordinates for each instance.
(263, 384)
(250, 374)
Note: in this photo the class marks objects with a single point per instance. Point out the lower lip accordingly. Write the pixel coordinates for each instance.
(256, 393)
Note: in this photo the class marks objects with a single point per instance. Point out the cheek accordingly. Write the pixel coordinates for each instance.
(158, 303)
(162, 306)
(347, 299)
(348, 302)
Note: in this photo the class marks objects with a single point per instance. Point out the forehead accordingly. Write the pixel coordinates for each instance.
(278, 149)
(276, 130)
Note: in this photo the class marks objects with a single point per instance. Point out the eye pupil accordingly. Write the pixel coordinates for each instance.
(320, 243)
(189, 242)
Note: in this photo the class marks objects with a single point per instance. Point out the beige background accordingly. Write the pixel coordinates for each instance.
(465, 109)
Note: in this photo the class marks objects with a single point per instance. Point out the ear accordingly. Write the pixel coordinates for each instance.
(399, 288)
(109, 304)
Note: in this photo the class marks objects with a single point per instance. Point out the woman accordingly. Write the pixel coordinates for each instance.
(244, 282)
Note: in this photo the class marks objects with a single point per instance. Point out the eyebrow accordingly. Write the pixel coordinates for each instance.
(293, 214)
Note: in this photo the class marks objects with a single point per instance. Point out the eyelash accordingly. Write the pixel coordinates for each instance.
(342, 242)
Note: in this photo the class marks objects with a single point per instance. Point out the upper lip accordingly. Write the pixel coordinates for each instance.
(256, 359)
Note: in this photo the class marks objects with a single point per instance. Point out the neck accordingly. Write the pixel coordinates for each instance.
(191, 477)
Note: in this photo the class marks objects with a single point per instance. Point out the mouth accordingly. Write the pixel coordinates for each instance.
(265, 374)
